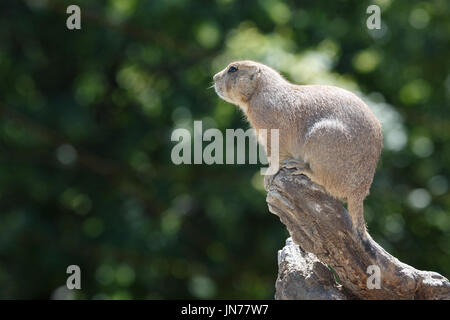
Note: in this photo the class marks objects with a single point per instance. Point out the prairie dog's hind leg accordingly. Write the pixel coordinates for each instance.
(356, 211)
(330, 151)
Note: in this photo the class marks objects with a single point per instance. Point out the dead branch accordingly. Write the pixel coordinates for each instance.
(321, 227)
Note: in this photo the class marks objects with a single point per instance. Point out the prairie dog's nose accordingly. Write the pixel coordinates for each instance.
(215, 76)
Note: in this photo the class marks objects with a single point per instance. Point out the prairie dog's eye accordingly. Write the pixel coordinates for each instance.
(232, 69)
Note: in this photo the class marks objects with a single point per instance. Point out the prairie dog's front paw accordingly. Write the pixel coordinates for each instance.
(300, 166)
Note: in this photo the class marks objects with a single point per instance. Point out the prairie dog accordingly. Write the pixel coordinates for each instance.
(331, 134)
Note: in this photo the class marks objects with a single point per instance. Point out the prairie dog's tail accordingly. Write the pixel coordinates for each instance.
(356, 211)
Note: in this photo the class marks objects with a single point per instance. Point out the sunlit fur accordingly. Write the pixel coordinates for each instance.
(327, 127)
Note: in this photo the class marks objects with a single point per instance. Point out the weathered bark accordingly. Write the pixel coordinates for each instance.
(321, 226)
(301, 276)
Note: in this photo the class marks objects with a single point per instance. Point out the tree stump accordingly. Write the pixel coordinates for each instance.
(321, 228)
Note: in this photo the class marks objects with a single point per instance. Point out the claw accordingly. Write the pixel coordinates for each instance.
(299, 172)
(292, 163)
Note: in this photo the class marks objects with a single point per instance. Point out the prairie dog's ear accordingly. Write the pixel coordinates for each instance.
(255, 73)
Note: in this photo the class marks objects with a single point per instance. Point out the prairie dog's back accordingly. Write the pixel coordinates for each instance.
(323, 102)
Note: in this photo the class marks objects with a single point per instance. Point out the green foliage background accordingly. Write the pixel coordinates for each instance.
(86, 176)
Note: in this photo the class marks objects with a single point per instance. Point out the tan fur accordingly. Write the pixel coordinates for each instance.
(328, 128)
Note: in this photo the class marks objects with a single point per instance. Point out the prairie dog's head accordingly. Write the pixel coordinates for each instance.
(238, 81)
